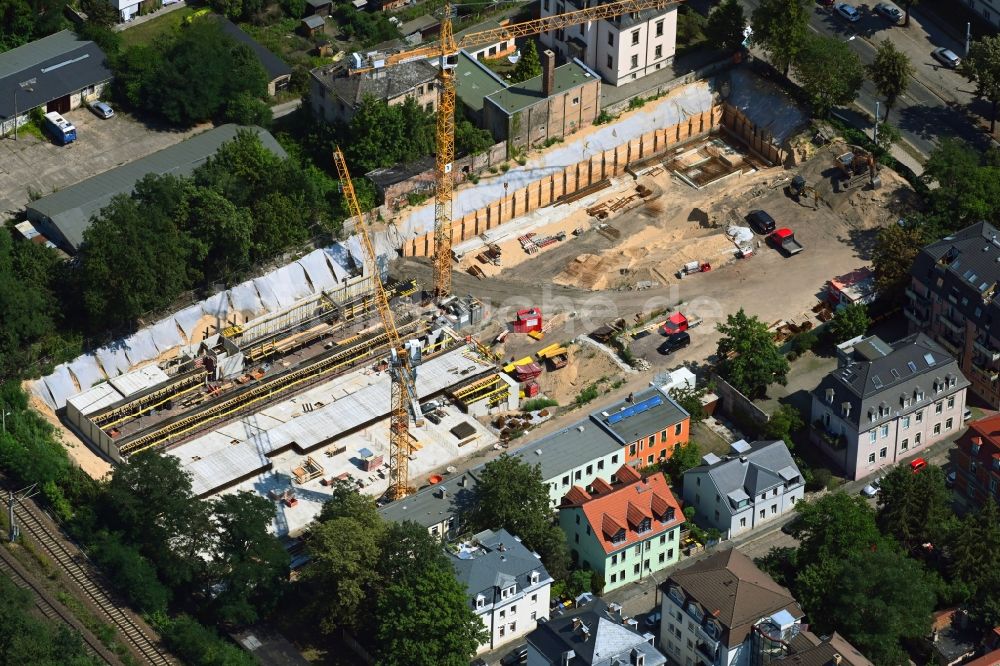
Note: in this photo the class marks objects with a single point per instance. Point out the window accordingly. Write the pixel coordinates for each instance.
(644, 526)
(905, 444)
(635, 569)
(503, 614)
(885, 431)
(534, 597)
(938, 407)
(480, 601)
(631, 449)
(576, 538)
(614, 559)
(670, 553)
(614, 578)
(920, 416)
(937, 428)
(649, 459)
(600, 464)
(577, 519)
(611, 42)
(916, 439)
(951, 402)
(652, 438)
(577, 474)
(635, 37)
(948, 424)
(774, 509)
(534, 614)
(659, 28)
(635, 61)
(576, 101)
(588, 530)
(872, 436)
(663, 557)
(545, 5)
(658, 53)
(743, 522)
(906, 422)
(663, 539)
(566, 480)
(429, 107)
(513, 610)
(502, 631)
(614, 459)
(871, 458)
(762, 513)
(590, 470)
(883, 452)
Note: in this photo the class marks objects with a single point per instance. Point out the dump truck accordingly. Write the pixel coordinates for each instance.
(784, 240)
(678, 322)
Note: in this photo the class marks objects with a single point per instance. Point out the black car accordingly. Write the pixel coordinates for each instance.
(674, 342)
(518, 655)
(761, 222)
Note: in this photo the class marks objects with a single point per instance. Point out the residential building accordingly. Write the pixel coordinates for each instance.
(752, 486)
(493, 50)
(624, 530)
(620, 49)
(977, 461)
(129, 9)
(553, 105)
(594, 635)
(439, 508)
(724, 611)
(278, 73)
(64, 215)
(58, 73)
(953, 638)
(886, 402)
(989, 10)
(506, 583)
(416, 31)
(952, 298)
(474, 82)
(336, 95)
(640, 431)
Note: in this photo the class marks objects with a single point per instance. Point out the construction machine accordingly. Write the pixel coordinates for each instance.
(799, 188)
(857, 165)
(446, 51)
(401, 370)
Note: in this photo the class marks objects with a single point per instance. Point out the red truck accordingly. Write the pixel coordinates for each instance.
(678, 323)
(784, 240)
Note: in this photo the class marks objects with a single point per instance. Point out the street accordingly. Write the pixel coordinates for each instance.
(938, 101)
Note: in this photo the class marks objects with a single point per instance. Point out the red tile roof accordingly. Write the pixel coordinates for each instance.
(576, 495)
(600, 486)
(631, 500)
(990, 659)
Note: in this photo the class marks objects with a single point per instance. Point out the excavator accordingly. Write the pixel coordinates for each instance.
(799, 188)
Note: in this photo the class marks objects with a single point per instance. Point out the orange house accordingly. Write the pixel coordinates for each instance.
(649, 425)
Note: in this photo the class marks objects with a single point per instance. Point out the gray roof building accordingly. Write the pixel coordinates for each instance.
(594, 635)
(65, 215)
(439, 508)
(387, 84)
(880, 381)
(528, 93)
(492, 562)
(274, 66)
(61, 64)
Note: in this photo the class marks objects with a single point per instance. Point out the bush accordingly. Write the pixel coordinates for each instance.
(536, 404)
(200, 646)
(587, 394)
(805, 341)
(604, 118)
(821, 478)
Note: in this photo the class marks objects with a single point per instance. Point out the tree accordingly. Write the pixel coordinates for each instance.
(748, 358)
(249, 565)
(968, 185)
(131, 573)
(781, 28)
(974, 563)
(199, 646)
(886, 136)
(915, 508)
(511, 495)
(99, 13)
(830, 72)
(25, 639)
(681, 460)
(890, 71)
(982, 67)
(690, 400)
(892, 258)
(28, 305)
(726, 23)
(907, 6)
(528, 67)
(784, 420)
(469, 139)
(247, 109)
(849, 322)
(833, 526)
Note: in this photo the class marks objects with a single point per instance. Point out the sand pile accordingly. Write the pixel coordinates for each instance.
(586, 365)
(91, 463)
(877, 208)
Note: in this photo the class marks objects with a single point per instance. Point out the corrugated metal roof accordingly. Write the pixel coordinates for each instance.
(71, 208)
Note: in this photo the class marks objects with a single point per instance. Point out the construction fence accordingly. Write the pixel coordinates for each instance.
(759, 141)
(548, 190)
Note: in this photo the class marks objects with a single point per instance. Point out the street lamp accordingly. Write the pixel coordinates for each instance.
(23, 85)
(3, 418)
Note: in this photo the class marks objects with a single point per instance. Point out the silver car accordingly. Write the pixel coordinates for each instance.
(101, 109)
(847, 11)
(946, 57)
(889, 12)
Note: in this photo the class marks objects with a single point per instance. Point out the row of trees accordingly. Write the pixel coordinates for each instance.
(22, 21)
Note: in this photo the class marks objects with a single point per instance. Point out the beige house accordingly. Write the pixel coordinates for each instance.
(336, 95)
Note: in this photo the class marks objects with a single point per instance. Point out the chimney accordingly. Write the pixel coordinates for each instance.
(548, 72)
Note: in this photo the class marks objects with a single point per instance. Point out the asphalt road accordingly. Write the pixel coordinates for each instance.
(938, 101)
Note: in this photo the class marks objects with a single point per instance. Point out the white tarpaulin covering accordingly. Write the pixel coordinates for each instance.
(286, 285)
(41, 391)
(113, 359)
(740, 235)
(188, 319)
(245, 299)
(166, 335)
(315, 266)
(268, 298)
(86, 371)
(217, 305)
(140, 347)
(61, 386)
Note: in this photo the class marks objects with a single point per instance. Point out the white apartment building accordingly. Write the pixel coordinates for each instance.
(506, 583)
(620, 49)
(754, 485)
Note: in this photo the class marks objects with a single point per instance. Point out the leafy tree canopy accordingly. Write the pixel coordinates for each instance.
(781, 28)
(683, 458)
(849, 322)
(748, 358)
(973, 563)
(830, 72)
(968, 185)
(24, 639)
(890, 71)
(892, 258)
(784, 420)
(915, 508)
(982, 67)
(726, 23)
(529, 66)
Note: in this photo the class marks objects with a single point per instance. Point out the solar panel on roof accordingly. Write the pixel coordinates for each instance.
(912, 366)
(929, 358)
(615, 418)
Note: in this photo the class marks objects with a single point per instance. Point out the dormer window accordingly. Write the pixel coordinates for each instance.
(480, 601)
(619, 537)
(507, 592)
(644, 526)
(534, 577)
(676, 594)
(712, 628)
(829, 396)
(918, 395)
(668, 516)
(695, 611)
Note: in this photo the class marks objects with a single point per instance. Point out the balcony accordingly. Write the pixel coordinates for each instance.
(988, 352)
(705, 652)
(917, 316)
(947, 343)
(917, 297)
(952, 326)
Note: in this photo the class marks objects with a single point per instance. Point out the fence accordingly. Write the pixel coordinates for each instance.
(737, 406)
(757, 140)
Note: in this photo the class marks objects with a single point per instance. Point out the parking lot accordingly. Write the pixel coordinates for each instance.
(30, 165)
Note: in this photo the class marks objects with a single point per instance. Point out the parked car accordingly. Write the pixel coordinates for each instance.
(101, 109)
(653, 620)
(889, 12)
(949, 479)
(917, 465)
(479, 662)
(518, 655)
(847, 12)
(674, 342)
(869, 491)
(761, 222)
(967, 414)
(946, 57)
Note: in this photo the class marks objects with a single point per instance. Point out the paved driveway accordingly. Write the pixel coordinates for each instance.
(30, 164)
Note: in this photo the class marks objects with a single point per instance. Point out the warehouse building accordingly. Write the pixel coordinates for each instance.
(56, 73)
(64, 216)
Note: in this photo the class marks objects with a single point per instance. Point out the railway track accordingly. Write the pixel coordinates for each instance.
(135, 636)
(52, 609)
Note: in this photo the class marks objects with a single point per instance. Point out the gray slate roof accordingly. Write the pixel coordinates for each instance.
(272, 64)
(767, 464)
(914, 364)
(71, 208)
(568, 448)
(382, 85)
(605, 640)
(497, 561)
(970, 261)
(61, 64)
(427, 508)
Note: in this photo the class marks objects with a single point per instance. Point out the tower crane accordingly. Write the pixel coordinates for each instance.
(446, 50)
(401, 370)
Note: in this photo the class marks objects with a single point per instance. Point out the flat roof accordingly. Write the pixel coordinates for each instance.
(60, 64)
(474, 81)
(528, 93)
(429, 506)
(71, 208)
(650, 411)
(562, 451)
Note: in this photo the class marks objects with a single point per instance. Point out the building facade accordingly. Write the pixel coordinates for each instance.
(977, 461)
(507, 586)
(620, 49)
(952, 298)
(336, 95)
(988, 9)
(625, 530)
(439, 508)
(752, 486)
(886, 402)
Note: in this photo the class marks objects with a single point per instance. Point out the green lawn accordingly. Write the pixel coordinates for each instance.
(144, 33)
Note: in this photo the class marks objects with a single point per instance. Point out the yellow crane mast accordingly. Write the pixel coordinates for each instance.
(400, 368)
(447, 51)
